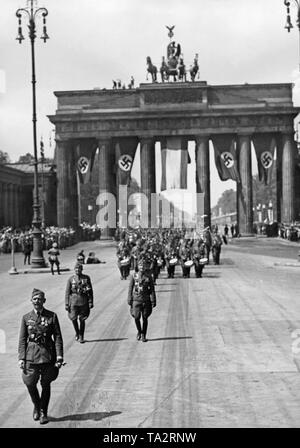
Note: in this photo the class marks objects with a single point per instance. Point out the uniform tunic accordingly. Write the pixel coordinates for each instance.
(141, 295)
(40, 345)
(79, 296)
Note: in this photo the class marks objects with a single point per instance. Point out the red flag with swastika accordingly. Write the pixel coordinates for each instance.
(225, 157)
(264, 145)
(85, 154)
(125, 153)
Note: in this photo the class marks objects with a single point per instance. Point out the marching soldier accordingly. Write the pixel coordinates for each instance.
(123, 255)
(199, 253)
(141, 298)
(216, 248)
(79, 300)
(185, 255)
(40, 353)
(53, 258)
(169, 256)
(81, 257)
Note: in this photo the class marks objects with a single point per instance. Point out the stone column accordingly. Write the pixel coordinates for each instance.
(278, 178)
(64, 200)
(288, 169)
(16, 192)
(148, 181)
(244, 188)
(107, 183)
(1, 205)
(11, 207)
(203, 179)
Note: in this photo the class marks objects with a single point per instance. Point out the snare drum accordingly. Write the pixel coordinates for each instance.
(125, 261)
(173, 261)
(188, 263)
(203, 260)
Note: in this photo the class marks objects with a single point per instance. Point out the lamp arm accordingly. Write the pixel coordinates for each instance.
(44, 13)
(20, 11)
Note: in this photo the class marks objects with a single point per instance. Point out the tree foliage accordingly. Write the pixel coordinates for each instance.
(262, 194)
(26, 158)
(4, 157)
(227, 203)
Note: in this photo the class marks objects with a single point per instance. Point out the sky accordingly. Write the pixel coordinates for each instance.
(93, 42)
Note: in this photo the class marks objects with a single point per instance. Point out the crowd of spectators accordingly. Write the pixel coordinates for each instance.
(290, 232)
(63, 236)
(89, 232)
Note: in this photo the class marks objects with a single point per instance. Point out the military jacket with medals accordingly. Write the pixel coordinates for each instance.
(79, 291)
(141, 288)
(40, 339)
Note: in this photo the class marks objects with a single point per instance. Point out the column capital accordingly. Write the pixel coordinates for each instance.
(201, 138)
(104, 141)
(147, 140)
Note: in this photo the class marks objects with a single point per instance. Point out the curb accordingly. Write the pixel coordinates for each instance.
(294, 265)
(37, 271)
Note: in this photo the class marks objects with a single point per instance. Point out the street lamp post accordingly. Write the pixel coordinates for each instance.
(289, 24)
(43, 183)
(31, 12)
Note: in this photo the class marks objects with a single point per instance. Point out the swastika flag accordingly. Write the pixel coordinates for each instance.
(264, 145)
(225, 157)
(125, 152)
(85, 154)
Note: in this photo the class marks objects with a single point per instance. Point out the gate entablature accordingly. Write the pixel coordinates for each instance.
(185, 108)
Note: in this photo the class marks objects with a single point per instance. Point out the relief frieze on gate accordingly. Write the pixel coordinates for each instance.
(280, 121)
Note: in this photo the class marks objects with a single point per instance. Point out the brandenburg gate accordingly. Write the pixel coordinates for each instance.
(117, 120)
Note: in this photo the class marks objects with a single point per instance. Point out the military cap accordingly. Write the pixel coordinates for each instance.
(37, 293)
(78, 265)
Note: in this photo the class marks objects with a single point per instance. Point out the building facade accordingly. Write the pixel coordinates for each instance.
(16, 195)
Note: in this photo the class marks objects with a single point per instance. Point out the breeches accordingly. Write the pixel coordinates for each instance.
(139, 309)
(33, 372)
(81, 311)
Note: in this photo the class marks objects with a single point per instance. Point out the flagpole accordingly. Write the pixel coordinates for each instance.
(78, 196)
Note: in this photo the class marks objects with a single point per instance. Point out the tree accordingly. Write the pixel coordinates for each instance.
(27, 158)
(4, 157)
(227, 203)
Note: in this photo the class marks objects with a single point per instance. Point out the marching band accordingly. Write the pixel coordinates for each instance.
(167, 248)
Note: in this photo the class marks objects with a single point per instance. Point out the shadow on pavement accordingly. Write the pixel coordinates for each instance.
(165, 290)
(171, 338)
(105, 340)
(97, 416)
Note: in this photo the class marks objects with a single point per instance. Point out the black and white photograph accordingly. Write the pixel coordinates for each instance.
(149, 217)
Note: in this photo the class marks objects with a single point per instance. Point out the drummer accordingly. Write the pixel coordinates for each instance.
(123, 255)
(171, 259)
(200, 256)
(185, 254)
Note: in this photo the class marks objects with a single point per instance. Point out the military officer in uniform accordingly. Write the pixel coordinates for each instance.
(53, 258)
(40, 353)
(79, 300)
(141, 298)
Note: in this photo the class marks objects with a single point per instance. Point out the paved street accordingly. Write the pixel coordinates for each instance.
(219, 352)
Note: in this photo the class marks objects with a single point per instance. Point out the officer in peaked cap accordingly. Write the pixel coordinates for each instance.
(141, 298)
(79, 300)
(40, 353)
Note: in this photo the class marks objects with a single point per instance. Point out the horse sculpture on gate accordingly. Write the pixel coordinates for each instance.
(194, 69)
(173, 65)
(152, 69)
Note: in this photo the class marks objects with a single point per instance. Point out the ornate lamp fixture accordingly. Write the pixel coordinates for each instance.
(289, 25)
(31, 12)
